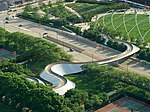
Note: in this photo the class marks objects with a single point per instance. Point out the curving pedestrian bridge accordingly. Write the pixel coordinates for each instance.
(54, 73)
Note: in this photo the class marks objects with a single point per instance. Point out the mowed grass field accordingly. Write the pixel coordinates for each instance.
(130, 25)
(80, 7)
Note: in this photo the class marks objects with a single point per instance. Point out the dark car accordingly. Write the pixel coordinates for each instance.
(20, 25)
(6, 22)
(10, 10)
(71, 50)
(7, 18)
(18, 15)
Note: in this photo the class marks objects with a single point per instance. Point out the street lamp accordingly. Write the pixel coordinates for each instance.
(127, 67)
(4, 24)
(77, 38)
(92, 55)
(40, 27)
(57, 37)
(63, 45)
(97, 50)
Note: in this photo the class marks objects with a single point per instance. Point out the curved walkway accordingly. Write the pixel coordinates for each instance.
(74, 12)
(35, 80)
(54, 73)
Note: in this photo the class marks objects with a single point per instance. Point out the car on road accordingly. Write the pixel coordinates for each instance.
(6, 22)
(18, 15)
(71, 50)
(10, 10)
(20, 25)
(6, 18)
(45, 34)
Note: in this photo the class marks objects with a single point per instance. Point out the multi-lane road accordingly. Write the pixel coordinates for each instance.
(90, 51)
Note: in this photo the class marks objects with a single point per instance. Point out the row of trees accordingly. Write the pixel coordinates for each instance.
(11, 66)
(94, 35)
(144, 54)
(93, 1)
(105, 2)
(115, 45)
(36, 51)
(145, 2)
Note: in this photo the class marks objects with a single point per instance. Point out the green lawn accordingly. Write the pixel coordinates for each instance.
(129, 28)
(5, 108)
(86, 83)
(82, 7)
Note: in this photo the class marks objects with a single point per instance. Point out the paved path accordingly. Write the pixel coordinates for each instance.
(74, 12)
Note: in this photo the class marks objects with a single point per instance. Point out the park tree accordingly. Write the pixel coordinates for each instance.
(28, 8)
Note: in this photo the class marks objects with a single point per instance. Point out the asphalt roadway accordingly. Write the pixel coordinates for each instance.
(90, 52)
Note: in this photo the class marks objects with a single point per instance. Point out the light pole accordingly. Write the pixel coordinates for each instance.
(63, 45)
(4, 24)
(97, 50)
(39, 34)
(57, 37)
(92, 55)
(77, 38)
(127, 67)
(40, 27)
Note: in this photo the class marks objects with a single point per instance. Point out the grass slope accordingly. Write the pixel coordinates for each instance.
(127, 25)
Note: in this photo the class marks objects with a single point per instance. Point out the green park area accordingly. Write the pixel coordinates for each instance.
(99, 84)
(133, 27)
(128, 27)
(87, 10)
(55, 15)
(58, 15)
(94, 86)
